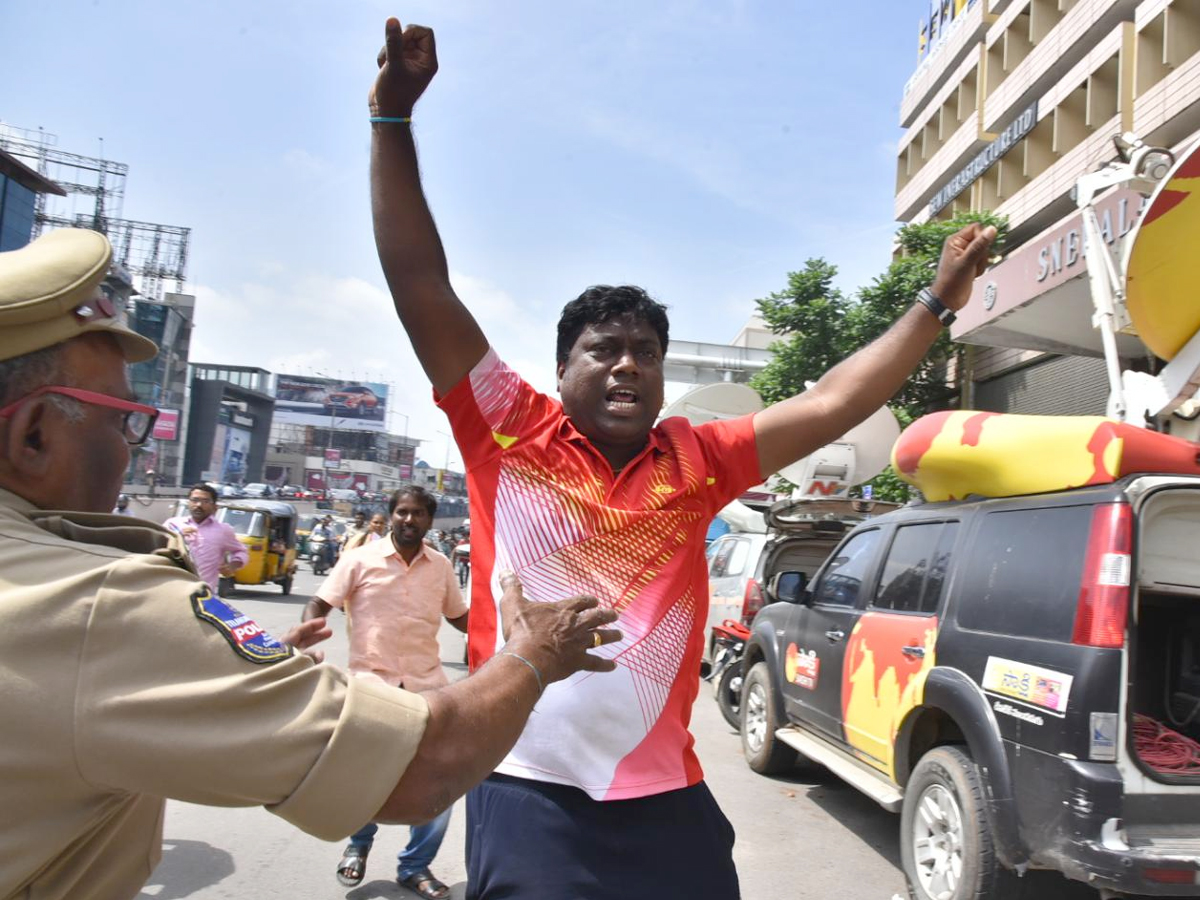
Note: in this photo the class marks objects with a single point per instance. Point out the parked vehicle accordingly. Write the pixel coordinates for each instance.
(268, 531)
(736, 560)
(257, 489)
(1007, 674)
(729, 641)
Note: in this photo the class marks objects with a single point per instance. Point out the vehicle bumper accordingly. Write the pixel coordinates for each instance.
(1072, 815)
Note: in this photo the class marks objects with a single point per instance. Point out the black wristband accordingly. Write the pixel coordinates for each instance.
(944, 314)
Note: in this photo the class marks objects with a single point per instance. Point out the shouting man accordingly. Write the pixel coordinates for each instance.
(602, 796)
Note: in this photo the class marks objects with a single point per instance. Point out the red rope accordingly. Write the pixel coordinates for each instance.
(1165, 750)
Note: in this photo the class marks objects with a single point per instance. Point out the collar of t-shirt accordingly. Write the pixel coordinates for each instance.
(655, 442)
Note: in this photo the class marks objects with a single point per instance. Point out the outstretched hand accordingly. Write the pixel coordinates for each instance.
(964, 257)
(407, 63)
(306, 634)
(556, 637)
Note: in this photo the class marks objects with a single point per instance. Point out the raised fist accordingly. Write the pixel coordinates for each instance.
(407, 63)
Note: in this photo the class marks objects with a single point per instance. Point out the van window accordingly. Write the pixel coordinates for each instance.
(729, 558)
(843, 576)
(916, 567)
(720, 557)
(737, 559)
(1021, 575)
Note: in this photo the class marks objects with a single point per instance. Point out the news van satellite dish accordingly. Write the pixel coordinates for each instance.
(1164, 268)
(857, 456)
(722, 400)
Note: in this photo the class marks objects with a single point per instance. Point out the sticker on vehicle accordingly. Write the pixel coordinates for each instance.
(803, 667)
(1030, 684)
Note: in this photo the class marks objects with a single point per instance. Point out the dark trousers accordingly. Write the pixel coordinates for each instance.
(531, 840)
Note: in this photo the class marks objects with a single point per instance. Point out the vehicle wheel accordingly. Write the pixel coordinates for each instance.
(226, 586)
(729, 693)
(945, 841)
(764, 752)
(286, 584)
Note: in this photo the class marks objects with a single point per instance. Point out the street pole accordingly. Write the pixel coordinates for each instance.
(446, 464)
(404, 449)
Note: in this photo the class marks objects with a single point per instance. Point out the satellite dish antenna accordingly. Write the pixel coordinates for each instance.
(723, 400)
(857, 456)
(1163, 268)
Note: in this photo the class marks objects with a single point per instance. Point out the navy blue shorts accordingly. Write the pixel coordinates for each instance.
(538, 841)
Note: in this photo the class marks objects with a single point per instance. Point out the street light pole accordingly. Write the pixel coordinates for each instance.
(404, 447)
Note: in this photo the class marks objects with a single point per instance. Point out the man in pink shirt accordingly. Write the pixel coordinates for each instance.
(214, 546)
(394, 593)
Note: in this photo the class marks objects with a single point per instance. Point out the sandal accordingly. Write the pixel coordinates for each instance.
(424, 884)
(353, 867)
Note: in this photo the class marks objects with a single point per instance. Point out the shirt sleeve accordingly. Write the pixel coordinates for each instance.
(491, 408)
(169, 707)
(339, 584)
(730, 454)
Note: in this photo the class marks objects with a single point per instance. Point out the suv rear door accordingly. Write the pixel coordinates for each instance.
(813, 664)
(892, 648)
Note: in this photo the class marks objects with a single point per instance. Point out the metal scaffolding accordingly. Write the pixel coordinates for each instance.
(152, 253)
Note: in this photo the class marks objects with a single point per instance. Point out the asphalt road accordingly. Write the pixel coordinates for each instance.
(803, 836)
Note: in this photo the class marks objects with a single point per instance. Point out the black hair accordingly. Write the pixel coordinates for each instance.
(603, 303)
(413, 490)
(207, 488)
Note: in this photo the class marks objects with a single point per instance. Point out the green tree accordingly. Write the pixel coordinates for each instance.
(819, 327)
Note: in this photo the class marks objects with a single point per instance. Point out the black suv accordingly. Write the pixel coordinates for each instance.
(1018, 677)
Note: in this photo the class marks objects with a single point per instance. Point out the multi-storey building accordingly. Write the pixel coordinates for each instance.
(1012, 101)
(19, 189)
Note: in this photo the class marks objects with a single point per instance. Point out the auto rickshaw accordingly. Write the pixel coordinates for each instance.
(304, 527)
(268, 530)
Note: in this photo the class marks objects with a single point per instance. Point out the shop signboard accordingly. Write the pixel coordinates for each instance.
(985, 158)
(166, 426)
(329, 402)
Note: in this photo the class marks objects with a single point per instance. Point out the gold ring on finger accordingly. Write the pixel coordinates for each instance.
(597, 640)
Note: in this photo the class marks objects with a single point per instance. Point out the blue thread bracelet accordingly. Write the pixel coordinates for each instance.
(403, 120)
(532, 668)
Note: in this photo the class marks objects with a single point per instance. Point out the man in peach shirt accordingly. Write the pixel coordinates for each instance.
(394, 593)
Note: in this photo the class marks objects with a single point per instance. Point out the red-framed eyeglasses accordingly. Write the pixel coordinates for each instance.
(139, 418)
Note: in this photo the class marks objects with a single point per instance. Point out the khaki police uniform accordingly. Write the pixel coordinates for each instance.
(124, 681)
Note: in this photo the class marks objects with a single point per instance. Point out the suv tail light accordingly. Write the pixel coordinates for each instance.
(1104, 592)
(752, 601)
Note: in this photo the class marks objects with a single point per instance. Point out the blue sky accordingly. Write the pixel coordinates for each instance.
(699, 149)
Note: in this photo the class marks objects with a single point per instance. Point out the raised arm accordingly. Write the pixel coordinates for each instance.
(445, 336)
(862, 383)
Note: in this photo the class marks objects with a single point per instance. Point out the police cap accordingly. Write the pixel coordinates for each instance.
(50, 292)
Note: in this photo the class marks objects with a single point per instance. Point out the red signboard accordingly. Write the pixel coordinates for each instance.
(166, 426)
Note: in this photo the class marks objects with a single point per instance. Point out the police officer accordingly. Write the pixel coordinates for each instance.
(125, 681)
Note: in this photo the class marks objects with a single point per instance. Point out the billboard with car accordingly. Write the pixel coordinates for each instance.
(346, 405)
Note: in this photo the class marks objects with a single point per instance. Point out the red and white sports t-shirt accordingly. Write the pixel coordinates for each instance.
(545, 505)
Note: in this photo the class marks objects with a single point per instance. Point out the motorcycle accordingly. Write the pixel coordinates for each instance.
(729, 642)
(322, 553)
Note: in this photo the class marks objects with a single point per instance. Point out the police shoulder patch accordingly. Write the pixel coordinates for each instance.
(246, 636)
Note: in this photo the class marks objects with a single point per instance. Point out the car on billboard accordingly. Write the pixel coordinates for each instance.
(353, 399)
